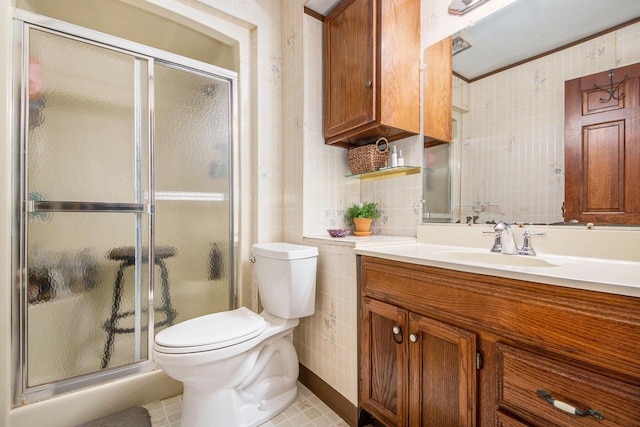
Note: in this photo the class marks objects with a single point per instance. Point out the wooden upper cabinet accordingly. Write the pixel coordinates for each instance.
(602, 148)
(438, 82)
(371, 71)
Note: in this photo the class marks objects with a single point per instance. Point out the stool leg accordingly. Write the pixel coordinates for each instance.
(168, 310)
(111, 324)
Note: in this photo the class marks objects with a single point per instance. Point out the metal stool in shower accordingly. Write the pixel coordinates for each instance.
(127, 257)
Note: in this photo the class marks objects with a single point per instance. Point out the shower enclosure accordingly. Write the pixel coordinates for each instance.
(124, 207)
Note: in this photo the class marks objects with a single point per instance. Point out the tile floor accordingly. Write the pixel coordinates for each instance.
(306, 411)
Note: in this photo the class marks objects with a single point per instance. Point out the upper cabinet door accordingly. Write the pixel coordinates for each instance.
(371, 71)
(438, 91)
(602, 148)
(349, 66)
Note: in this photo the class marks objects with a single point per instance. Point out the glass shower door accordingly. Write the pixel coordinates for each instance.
(85, 177)
(125, 201)
(192, 179)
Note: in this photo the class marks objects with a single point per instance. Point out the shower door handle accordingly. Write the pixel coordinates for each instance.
(34, 206)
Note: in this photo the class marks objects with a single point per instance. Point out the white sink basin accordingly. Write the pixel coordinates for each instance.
(497, 259)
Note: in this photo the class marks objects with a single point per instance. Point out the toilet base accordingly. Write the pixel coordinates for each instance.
(254, 415)
(219, 409)
(263, 383)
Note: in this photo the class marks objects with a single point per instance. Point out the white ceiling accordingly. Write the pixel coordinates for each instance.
(527, 28)
(322, 6)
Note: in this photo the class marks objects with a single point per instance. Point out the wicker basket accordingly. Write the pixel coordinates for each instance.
(368, 158)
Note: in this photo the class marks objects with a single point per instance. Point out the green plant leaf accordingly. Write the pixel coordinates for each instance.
(363, 210)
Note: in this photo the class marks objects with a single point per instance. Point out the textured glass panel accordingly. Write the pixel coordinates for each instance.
(81, 123)
(437, 185)
(192, 132)
(192, 158)
(87, 141)
(71, 276)
(199, 275)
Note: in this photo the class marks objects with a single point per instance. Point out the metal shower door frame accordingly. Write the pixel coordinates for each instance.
(23, 21)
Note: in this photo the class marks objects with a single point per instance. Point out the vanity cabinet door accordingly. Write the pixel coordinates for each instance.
(442, 374)
(416, 371)
(383, 362)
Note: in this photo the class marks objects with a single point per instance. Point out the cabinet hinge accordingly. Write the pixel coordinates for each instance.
(360, 384)
(478, 359)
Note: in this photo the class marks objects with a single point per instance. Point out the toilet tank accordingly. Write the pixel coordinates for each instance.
(286, 276)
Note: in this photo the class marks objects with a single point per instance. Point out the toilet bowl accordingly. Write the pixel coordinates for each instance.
(240, 368)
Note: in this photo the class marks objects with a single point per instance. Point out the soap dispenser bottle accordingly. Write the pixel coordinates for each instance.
(394, 157)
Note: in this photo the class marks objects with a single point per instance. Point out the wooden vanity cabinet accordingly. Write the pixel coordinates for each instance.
(441, 359)
(487, 349)
(371, 71)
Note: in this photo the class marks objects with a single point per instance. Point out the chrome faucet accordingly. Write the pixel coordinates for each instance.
(505, 240)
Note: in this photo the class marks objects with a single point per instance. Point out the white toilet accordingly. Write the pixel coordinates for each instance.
(240, 368)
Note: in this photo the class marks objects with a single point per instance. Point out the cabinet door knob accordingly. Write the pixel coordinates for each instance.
(397, 334)
(368, 83)
(413, 338)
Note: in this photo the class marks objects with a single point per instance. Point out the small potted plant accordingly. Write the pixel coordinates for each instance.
(361, 215)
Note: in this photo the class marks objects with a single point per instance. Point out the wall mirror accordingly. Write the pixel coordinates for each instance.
(507, 159)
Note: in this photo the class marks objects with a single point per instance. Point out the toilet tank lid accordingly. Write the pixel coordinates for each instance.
(213, 331)
(280, 250)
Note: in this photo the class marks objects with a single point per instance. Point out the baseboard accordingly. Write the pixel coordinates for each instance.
(334, 400)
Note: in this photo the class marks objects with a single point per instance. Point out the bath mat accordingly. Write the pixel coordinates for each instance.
(134, 417)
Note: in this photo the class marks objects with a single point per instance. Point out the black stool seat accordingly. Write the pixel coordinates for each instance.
(128, 253)
(127, 257)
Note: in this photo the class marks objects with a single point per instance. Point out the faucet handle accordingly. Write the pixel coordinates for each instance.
(497, 243)
(527, 249)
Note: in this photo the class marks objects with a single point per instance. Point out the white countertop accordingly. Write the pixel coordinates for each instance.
(596, 274)
(360, 241)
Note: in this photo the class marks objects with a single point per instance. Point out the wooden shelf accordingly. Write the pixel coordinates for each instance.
(387, 173)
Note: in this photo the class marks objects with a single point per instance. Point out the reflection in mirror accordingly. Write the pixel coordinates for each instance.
(441, 177)
(512, 116)
(437, 183)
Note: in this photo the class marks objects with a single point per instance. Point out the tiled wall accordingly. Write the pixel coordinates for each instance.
(327, 341)
(316, 191)
(264, 18)
(327, 190)
(512, 147)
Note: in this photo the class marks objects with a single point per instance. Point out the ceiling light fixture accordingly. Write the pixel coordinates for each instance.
(460, 7)
(459, 43)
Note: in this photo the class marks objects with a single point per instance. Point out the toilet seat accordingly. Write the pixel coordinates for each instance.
(210, 332)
